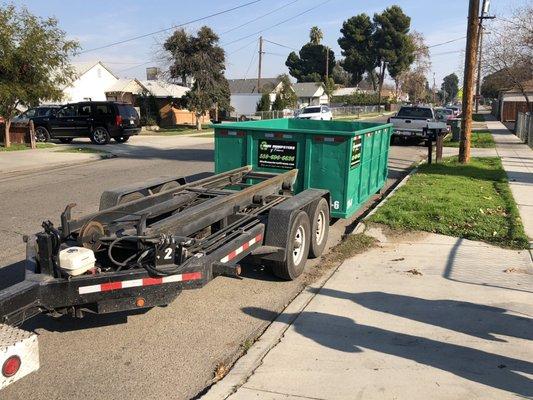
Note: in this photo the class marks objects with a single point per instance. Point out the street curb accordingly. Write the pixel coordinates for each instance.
(248, 363)
(45, 169)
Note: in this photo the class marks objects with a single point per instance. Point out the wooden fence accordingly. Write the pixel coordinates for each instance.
(20, 133)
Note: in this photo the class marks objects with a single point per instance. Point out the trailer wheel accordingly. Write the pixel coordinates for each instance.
(166, 186)
(319, 216)
(131, 197)
(297, 249)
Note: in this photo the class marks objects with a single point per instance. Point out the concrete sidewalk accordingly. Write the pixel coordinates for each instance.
(517, 160)
(421, 316)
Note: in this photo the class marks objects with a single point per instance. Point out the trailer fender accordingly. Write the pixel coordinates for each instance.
(113, 197)
(281, 216)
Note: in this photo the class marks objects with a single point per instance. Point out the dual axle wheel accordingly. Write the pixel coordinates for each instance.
(308, 236)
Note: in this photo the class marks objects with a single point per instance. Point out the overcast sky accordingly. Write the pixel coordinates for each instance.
(98, 23)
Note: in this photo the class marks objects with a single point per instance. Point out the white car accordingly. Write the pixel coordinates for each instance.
(316, 113)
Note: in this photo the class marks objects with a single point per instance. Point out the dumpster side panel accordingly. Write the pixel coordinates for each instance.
(230, 152)
(329, 170)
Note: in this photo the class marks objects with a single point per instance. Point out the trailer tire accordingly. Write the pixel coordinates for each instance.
(297, 249)
(130, 197)
(319, 218)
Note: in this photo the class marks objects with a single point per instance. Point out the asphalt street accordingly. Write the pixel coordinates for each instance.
(162, 353)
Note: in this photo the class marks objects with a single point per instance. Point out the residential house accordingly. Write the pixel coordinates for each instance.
(310, 93)
(93, 79)
(245, 94)
(512, 101)
(155, 97)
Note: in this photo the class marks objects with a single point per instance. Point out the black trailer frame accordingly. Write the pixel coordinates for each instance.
(206, 227)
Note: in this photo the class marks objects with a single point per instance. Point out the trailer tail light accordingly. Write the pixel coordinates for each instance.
(118, 120)
(11, 366)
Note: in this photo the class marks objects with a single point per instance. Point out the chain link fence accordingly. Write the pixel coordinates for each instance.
(356, 111)
(524, 128)
(338, 112)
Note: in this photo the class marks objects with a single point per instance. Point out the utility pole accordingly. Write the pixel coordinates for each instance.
(260, 62)
(468, 80)
(327, 63)
(434, 89)
(484, 15)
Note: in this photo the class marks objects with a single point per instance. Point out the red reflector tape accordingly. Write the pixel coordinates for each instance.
(232, 133)
(109, 286)
(331, 139)
(278, 135)
(242, 248)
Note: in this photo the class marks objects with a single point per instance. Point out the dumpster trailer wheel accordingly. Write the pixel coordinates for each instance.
(297, 249)
(131, 197)
(166, 186)
(319, 217)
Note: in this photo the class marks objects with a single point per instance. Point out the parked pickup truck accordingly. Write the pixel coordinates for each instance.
(416, 121)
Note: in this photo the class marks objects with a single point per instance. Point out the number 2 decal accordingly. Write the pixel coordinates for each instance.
(168, 253)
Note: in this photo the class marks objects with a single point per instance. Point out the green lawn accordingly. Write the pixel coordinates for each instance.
(180, 130)
(481, 138)
(17, 146)
(478, 118)
(471, 201)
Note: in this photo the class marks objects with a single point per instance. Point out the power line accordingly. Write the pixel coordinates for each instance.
(277, 24)
(243, 47)
(258, 18)
(172, 27)
(447, 52)
(281, 45)
(135, 66)
(443, 43)
(251, 61)
(275, 54)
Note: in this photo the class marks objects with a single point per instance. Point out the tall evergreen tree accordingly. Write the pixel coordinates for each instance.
(450, 85)
(202, 59)
(310, 64)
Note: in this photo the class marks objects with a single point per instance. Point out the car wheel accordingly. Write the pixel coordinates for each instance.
(121, 139)
(41, 134)
(100, 135)
(66, 140)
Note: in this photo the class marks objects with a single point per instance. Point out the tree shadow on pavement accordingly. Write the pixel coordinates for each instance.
(473, 319)
(346, 335)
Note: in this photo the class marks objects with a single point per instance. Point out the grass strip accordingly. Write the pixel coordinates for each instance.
(471, 201)
(479, 139)
(19, 146)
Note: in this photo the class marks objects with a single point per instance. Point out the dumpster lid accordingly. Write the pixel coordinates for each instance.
(337, 128)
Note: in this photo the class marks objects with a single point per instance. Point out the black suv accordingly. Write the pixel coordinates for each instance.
(98, 120)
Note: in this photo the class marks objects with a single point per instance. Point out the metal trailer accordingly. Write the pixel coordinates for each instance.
(152, 241)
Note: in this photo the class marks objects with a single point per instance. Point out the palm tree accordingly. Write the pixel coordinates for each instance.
(315, 35)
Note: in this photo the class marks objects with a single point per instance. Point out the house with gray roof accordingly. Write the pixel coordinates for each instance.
(245, 94)
(310, 93)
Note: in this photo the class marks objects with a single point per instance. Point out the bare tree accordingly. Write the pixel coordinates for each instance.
(509, 49)
(413, 81)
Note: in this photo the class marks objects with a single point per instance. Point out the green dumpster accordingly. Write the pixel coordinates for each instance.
(347, 158)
